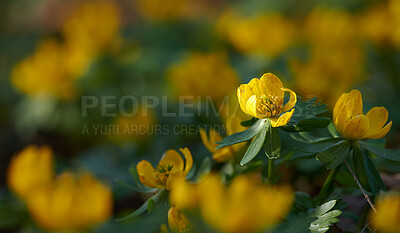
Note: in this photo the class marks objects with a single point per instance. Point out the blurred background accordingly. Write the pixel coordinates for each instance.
(53, 53)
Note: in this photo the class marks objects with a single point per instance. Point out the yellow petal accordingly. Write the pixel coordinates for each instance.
(189, 159)
(146, 174)
(377, 117)
(252, 107)
(174, 158)
(256, 87)
(273, 86)
(233, 125)
(356, 128)
(177, 222)
(338, 113)
(207, 143)
(241, 94)
(380, 133)
(282, 120)
(292, 101)
(174, 177)
(357, 106)
(223, 154)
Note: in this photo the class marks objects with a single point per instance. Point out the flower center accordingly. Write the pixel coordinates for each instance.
(163, 172)
(269, 106)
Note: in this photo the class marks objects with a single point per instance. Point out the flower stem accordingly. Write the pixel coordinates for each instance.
(361, 188)
(327, 187)
(271, 164)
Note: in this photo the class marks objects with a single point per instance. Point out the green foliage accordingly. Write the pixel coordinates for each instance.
(335, 154)
(306, 116)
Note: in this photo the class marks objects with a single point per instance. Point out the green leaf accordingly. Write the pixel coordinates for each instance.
(305, 117)
(160, 200)
(325, 217)
(244, 135)
(307, 124)
(254, 147)
(374, 179)
(248, 122)
(389, 154)
(335, 155)
(272, 143)
(359, 167)
(151, 205)
(333, 131)
(307, 138)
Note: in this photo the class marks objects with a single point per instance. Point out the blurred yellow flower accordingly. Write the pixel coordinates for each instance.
(242, 207)
(170, 169)
(263, 34)
(223, 154)
(386, 218)
(30, 169)
(71, 203)
(381, 23)
(335, 62)
(263, 98)
(49, 71)
(198, 75)
(137, 128)
(156, 10)
(93, 26)
(352, 124)
(177, 222)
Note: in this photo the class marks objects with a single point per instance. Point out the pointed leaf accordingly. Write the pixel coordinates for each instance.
(254, 147)
(244, 135)
(390, 154)
(272, 143)
(335, 155)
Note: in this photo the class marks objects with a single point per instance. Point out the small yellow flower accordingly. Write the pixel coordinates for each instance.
(352, 124)
(243, 206)
(386, 219)
(226, 153)
(177, 221)
(71, 203)
(197, 75)
(170, 168)
(30, 169)
(263, 98)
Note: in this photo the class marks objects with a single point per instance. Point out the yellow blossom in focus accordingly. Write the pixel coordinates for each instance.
(93, 26)
(352, 124)
(198, 75)
(241, 207)
(335, 62)
(51, 70)
(263, 34)
(263, 98)
(30, 169)
(137, 128)
(226, 153)
(170, 169)
(386, 218)
(71, 203)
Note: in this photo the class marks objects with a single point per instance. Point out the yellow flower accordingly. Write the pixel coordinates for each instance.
(177, 221)
(47, 71)
(263, 98)
(93, 26)
(226, 153)
(71, 203)
(197, 75)
(170, 168)
(327, 77)
(386, 219)
(243, 206)
(137, 128)
(352, 124)
(263, 34)
(30, 169)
